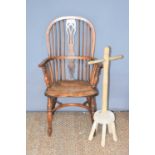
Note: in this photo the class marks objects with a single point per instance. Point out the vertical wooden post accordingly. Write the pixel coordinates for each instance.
(105, 79)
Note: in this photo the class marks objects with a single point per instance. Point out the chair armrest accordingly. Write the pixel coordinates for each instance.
(95, 73)
(47, 71)
(45, 61)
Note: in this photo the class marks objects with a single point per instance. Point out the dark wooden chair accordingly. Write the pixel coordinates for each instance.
(71, 43)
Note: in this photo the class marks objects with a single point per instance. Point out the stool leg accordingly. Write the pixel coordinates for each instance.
(103, 135)
(96, 128)
(109, 128)
(92, 130)
(114, 131)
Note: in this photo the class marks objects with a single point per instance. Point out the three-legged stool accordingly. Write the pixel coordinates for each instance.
(106, 119)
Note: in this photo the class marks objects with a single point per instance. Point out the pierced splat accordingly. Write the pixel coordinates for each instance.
(71, 29)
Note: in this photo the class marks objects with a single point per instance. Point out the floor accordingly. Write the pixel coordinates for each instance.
(70, 135)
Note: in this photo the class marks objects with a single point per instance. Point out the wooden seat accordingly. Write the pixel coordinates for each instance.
(71, 44)
(71, 88)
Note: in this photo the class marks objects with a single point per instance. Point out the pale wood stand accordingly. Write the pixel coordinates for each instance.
(104, 116)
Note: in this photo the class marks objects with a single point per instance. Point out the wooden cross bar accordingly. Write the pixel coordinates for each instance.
(106, 59)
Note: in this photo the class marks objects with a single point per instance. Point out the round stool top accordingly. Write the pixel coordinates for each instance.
(104, 118)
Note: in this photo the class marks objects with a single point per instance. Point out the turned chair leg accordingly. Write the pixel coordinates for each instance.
(94, 104)
(54, 103)
(49, 115)
(92, 107)
(89, 99)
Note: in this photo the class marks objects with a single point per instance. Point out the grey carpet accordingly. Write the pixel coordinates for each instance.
(70, 135)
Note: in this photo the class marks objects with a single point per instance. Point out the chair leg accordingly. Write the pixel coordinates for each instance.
(49, 115)
(89, 99)
(94, 104)
(54, 103)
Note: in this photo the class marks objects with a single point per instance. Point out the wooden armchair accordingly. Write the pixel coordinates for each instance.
(71, 43)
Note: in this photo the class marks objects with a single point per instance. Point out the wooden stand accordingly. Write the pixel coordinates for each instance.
(104, 117)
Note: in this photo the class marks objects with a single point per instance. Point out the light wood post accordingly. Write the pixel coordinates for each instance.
(105, 84)
(105, 79)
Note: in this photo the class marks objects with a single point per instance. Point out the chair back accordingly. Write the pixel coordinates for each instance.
(71, 42)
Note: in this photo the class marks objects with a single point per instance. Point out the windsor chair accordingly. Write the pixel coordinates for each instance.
(71, 44)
